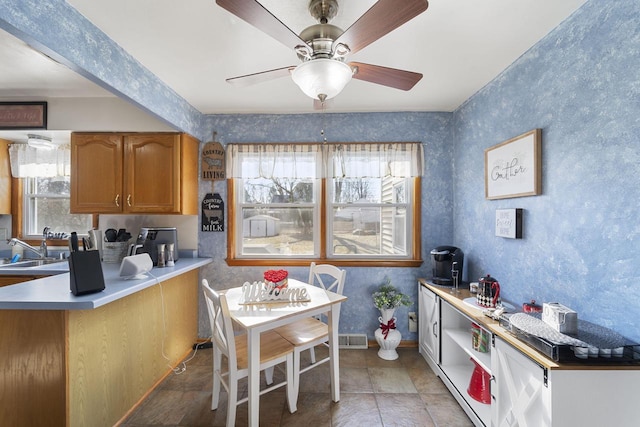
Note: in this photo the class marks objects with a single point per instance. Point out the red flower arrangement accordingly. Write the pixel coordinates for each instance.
(275, 275)
(279, 278)
(276, 280)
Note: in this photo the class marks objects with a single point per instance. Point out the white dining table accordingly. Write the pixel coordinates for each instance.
(256, 318)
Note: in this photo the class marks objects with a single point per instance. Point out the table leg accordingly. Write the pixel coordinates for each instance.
(334, 359)
(253, 349)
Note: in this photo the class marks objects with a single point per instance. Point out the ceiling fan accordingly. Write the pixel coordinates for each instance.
(323, 48)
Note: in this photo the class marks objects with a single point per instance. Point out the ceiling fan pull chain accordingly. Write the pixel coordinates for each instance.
(323, 98)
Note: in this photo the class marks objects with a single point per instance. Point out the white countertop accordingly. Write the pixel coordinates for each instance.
(54, 292)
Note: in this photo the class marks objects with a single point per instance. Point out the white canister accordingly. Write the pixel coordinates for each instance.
(560, 317)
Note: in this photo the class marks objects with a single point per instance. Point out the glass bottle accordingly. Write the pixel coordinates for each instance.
(169, 257)
(161, 255)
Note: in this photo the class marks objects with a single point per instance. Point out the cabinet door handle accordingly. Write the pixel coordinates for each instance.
(435, 329)
(118, 200)
(129, 200)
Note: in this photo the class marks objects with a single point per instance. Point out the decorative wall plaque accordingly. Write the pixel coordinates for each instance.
(509, 223)
(23, 115)
(212, 213)
(513, 168)
(213, 162)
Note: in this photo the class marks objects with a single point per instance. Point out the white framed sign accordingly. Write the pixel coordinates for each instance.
(513, 168)
(509, 223)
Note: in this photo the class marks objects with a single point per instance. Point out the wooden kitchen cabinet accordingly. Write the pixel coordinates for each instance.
(7, 280)
(136, 173)
(5, 178)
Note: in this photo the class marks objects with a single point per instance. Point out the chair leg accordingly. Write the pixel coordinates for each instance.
(313, 355)
(268, 375)
(292, 380)
(233, 400)
(215, 393)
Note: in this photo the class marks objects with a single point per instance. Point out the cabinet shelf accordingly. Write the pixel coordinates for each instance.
(463, 339)
(459, 376)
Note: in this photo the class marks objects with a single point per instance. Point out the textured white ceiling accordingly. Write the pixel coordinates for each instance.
(459, 46)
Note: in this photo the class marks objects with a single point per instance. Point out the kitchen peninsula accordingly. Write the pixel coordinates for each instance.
(87, 360)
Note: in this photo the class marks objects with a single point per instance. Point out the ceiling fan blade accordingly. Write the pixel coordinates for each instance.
(399, 79)
(255, 14)
(263, 76)
(382, 18)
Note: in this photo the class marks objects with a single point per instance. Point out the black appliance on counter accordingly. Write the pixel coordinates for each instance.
(150, 238)
(442, 264)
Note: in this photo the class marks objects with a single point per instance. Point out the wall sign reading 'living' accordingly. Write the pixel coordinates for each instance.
(213, 161)
(512, 168)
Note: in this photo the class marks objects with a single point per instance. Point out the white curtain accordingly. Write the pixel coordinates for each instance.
(350, 160)
(273, 161)
(30, 162)
(377, 160)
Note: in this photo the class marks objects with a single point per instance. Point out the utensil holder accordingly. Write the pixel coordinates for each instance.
(113, 252)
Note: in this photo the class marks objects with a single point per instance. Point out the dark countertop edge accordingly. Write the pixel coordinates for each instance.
(53, 292)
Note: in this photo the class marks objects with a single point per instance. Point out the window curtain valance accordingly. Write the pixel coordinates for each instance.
(349, 160)
(377, 160)
(31, 162)
(272, 161)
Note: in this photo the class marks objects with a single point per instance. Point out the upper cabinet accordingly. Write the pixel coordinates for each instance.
(5, 178)
(137, 173)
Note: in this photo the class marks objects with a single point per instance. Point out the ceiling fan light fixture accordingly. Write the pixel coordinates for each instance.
(322, 77)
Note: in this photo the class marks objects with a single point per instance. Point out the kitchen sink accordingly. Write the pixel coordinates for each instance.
(6, 262)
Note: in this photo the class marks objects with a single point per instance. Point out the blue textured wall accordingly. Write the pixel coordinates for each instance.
(581, 244)
(358, 314)
(580, 85)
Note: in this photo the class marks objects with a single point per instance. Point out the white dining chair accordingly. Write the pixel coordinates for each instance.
(310, 332)
(273, 350)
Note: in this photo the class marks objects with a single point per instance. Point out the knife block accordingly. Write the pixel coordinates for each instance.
(85, 271)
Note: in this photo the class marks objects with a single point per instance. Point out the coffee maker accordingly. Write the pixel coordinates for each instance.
(444, 259)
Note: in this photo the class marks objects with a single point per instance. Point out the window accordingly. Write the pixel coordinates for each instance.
(343, 202)
(43, 186)
(46, 204)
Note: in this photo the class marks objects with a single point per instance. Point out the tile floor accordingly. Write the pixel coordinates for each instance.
(374, 392)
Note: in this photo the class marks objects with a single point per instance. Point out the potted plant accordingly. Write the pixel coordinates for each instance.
(386, 299)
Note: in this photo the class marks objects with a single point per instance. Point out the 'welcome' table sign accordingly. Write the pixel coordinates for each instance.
(259, 293)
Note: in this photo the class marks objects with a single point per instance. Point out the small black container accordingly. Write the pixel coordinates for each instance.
(442, 259)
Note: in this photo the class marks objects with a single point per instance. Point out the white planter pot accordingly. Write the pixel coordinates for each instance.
(389, 343)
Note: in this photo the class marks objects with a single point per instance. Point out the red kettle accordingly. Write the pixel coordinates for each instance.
(488, 292)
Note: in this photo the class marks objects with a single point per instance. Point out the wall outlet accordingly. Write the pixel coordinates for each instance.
(413, 322)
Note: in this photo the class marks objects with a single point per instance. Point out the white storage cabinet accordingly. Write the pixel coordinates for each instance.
(527, 389)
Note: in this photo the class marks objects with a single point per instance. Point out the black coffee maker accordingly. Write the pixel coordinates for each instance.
(444, 259)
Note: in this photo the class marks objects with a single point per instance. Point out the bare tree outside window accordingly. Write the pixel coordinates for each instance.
(361, 210)
(46, 204)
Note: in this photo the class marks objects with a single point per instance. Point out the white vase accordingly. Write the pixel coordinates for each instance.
(386, 314)
(389, 343)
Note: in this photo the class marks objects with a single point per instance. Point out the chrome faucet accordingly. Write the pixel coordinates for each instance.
(41, 252)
